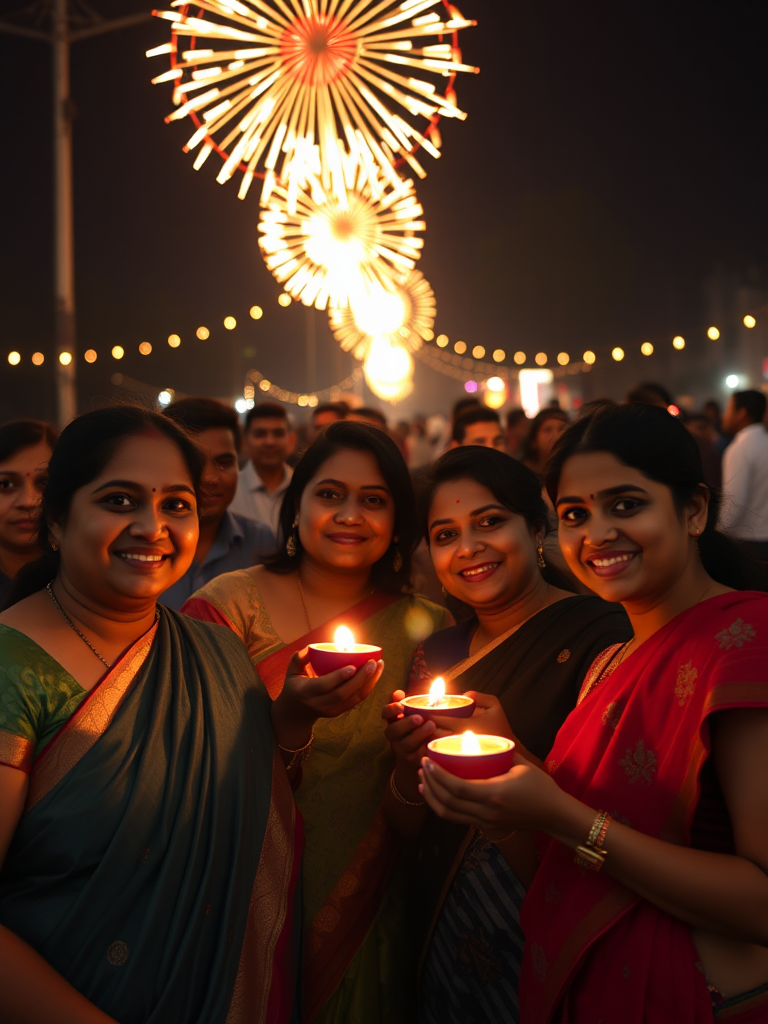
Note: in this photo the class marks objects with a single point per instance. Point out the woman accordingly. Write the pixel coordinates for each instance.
(146, 819)
(546, 427)
(25, 448)
(348, 526)
(522, 655)
(659, 775)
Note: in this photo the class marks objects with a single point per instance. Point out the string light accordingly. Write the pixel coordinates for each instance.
(230, 323)
(713, 333)
(442, 341)
(749, 321)
(256, 312)
(145, 348)
(284, 299)
(499, 355)
(519, 358)
(90, 355)
(460, 348)
(174, 340)
(617, 353)
(65, 358)
(540, 358)
(478, 352)
(646, 348)
(563, 358)
(118, 351)
(38, 358)
(679, 343)
(203, 333)
(14, 358)
(589, 357)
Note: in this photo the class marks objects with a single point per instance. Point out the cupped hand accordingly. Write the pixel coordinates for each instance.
(408, 734)
(524, 798)
(488, 717)
(312, 697)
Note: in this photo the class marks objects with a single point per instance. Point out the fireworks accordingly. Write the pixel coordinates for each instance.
(403, 310)
(285, 88)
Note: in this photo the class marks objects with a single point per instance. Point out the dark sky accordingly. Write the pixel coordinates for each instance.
(613, 156)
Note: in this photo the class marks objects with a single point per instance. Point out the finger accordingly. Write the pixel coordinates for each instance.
(417, 740)
(442, 810)
(482, 700)
(397, 696)
(449, 724)
(460, 795)
(391, 712)
(362, 682)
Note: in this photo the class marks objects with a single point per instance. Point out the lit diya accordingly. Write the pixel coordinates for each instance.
(473, 757)
(343, 651)
(438, 702)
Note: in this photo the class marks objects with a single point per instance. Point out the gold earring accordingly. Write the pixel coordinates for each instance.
(541, 561)
(54, 547)
(291, 547)
(445, 592)
(397, 565)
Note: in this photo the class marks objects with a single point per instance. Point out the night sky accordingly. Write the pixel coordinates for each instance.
(614, 156)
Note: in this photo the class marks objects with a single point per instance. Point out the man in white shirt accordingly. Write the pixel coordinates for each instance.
(269, 441)
(745, 471)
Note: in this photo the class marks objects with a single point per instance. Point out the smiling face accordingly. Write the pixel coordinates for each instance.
(620, 532)
(131, 532)
(219, 480)
(347, 513)
(22, 479)
(483, 554)
(269, 441)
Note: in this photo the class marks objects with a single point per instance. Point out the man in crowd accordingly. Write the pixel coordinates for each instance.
(745, 471)
(269, 441)
(365, 414)
(227, 541)
(478, 426)
(322, 415)
(518, 426)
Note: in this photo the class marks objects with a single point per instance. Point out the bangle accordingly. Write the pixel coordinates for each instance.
(502, 840)
(299, 756)
(399, 796)
(592, 855)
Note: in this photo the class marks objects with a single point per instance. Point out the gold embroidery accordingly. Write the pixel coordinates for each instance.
(639, 763)
(117, 954)
(563, 656)
(612, 714)
(89, 722)
(539, 960)
(735, 635)
(686, 682)
(551, 767)
(16, 751)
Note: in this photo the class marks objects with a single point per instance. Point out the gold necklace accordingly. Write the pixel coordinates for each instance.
(49, 588)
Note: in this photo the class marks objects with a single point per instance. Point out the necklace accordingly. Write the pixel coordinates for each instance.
(69, 622)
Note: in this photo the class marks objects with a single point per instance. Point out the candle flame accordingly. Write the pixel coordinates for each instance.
(470, 743)
(436, 691)
(344, 639)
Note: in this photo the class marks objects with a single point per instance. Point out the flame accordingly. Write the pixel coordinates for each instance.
(436, 691)
(344, 639)
(470, 743)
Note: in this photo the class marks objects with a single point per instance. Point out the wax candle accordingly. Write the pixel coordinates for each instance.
(437, 702)
(473, 757)
(343, 651)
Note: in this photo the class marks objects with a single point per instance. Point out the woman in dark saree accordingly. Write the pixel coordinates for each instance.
(150, 841)
(522, 655)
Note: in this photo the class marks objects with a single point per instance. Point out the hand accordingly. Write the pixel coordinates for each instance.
(488, 718)
(525, 798)
(408, 734)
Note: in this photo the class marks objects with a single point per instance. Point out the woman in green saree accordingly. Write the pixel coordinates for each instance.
(348, 525)
(522, 655)
(149, 844)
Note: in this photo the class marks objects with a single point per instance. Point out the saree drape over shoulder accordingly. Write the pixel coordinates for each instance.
(354, 970)
(155, 864)
(470, 896)
(637, 746)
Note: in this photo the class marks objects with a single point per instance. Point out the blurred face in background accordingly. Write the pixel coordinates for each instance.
(485, 435)
(268, 442)
(219, 480)
(547, 435)
(22, 478)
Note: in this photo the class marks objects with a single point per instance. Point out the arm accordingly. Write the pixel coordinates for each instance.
(735, 486)
(32, 991)
(724, 894)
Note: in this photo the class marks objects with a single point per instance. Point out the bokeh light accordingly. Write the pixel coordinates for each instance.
(442, 341)
(14, 358)
(713, 334)
(678, 342)
(460, 348)
(563, 358)
(90, 355)
(589, 357)
(38, 358)
(499, 355)
(118, 351)
(203, 333)
(284, 299)
(617, 353)
(646, 348)
(478, 352)
(749, 320)
(230, 323)
(174, 340)
(519, 358)
(540, 358)
(145, 348)
(256, 312)
(65, 358)
(471, 386)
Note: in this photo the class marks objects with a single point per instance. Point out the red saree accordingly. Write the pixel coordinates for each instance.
(635, 746)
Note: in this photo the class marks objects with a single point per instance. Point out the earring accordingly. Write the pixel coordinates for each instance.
(397, 565)
(54, 547)
(445, 592)
(290, 546)
(541, 561)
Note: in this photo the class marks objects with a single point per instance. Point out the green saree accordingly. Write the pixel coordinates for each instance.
(154, 864)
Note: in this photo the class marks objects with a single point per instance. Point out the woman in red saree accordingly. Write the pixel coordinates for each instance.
(650, 903)
(348, 526)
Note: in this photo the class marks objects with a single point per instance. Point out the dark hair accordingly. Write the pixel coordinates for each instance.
(366, 412)
(20, 434)
(590, 407)
(340, 408)
(549, 413)
(357, 437)
(648, 439)
(511, 483)
(462, 405)
(514, 416)
(198, 414)
(753, 402)
(478, 415)
(266, 411)
(83, 451)
(650, 394)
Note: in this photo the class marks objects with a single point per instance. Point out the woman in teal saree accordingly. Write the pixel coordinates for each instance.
(146, 818)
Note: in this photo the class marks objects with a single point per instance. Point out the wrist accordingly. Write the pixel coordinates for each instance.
(291, 725)
(571, 821)
(407, 779)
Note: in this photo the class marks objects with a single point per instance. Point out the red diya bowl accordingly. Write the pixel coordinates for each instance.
(496, 757)
(453, 705)
(325, 658)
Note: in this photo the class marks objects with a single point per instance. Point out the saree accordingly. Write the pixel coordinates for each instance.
(155, 862)
(470, 896)
(637, 746)
(353, 963)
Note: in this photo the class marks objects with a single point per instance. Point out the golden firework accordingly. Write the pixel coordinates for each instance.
(402, 309)
(285, 87)
(324, 249)
(388, 369)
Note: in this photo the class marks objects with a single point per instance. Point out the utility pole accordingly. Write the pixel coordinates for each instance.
(70, 21)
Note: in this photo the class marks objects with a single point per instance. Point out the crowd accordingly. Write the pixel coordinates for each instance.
(197, 828)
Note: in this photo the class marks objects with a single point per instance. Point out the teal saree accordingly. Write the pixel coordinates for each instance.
(155, 864)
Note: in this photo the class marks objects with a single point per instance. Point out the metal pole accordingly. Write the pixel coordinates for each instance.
(310, 338)
(64, 240)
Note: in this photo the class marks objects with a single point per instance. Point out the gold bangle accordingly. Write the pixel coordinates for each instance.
(592, 855)
(597, 825)
(299, 756)
(399, 796)
(589, 857)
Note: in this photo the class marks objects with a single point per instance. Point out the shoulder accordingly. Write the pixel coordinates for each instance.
(740, 619)
(210, 635)
(32, 685)
(234, 595)
(253, 531)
